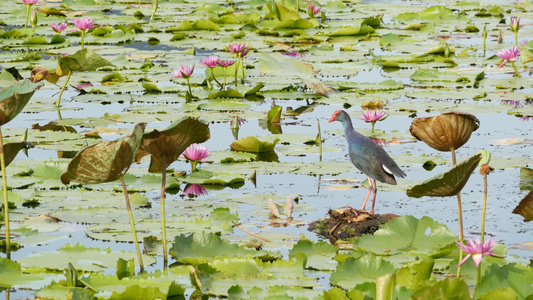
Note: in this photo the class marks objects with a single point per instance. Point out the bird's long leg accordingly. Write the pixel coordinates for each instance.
(375, 190)
(367, 194)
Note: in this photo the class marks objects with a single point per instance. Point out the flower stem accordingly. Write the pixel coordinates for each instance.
(243, 68)
(237, 59)
(63, 88)
(6, 202)
(27, 15)
(516, 74)
(460, 217)
(224, 85)
(132, 222)
(189, 84)
(516, 38)
(163, 222)
(193, 165)
(82, 39)
(214, 78)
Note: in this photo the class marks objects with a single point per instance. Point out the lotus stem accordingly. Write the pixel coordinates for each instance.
(516, 38)
(27, 15)
(189, 84)
(319, 138)
(237, 59)
(298, 6)
(63, 88)
(163, 222)
(155, 4)
(516, 74)
(460, 217)
(224, 85)
(132, 223)
(243, 69)
(6, 202)
(214, 78)
(251, 233)
(82, 39)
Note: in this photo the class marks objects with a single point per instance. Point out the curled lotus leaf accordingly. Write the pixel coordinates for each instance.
(14, 98)
(253, 144)
(105, 161)
(12, 149)
(449, 183)
(445, 132)
(525, 207)
(172, 141)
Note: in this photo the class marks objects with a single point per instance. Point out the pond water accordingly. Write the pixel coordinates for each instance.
(506, 130)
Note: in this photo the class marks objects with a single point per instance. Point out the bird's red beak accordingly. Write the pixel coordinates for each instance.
(333, 117)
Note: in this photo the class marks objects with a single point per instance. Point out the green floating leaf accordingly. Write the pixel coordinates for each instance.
(319, 255)
(50, 11)
(406, 234)
(12, 149)
(389, 39)
(225, 94)
(274, 114)
(253, 144)
(351, 30)
(198, 248)
(526, 179)
(525, 207)
(105, 161)
(14, 98)
(513, 275)
(58, 291)
(84, 60)
(11, 274)
(172, 141)
(445, 289)
(446, 184)
(356, 271)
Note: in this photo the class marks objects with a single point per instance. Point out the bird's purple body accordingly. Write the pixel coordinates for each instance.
(367, 156)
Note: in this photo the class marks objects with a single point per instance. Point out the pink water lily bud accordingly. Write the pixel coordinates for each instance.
(184, 72)
(211, 61)
(313, 10)
(515, 24)
(83, 24)
(477, 250)
(196, 190)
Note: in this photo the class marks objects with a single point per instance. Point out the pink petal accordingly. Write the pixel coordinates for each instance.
(477, 258)
(463, 261)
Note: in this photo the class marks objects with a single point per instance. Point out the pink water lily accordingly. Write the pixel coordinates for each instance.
(237, 121)
(477, 250)
(210, 61)
(30, 2)
(372, 116)
(236, 48)
(83, 24)
(312, 10)
(226, 63)
(184, 72)
(293, 53)
(195, 154)
(195, 190)
(58, 27)
(509, 55)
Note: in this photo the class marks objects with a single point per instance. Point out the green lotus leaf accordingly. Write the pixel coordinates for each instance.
(355, 271)
(253, 144)
(414, 276)
(319, 255)
(225, 94)
(445, 289)
(198, 248)
(274, 114)
(389, 39)
(14, 98)
(35, 40)
(105, 161)
(172, 141)
(84, 60)
(294, 24)
(58, 291)
(449, 183)
(351, 30)
(525, 207)
(83, 258)
(282, 13)
(526, 53)
(50, 11)
(500, 293)
(437, 12)
(204, 24)
(406, 234)
(12, 275)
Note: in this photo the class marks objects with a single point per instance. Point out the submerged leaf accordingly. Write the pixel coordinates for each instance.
(449, 183)
(445, 132)
(105, 161)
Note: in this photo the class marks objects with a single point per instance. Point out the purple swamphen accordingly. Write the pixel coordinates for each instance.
(367, 156)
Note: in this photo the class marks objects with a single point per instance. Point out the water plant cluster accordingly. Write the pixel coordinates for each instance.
(162, 160)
